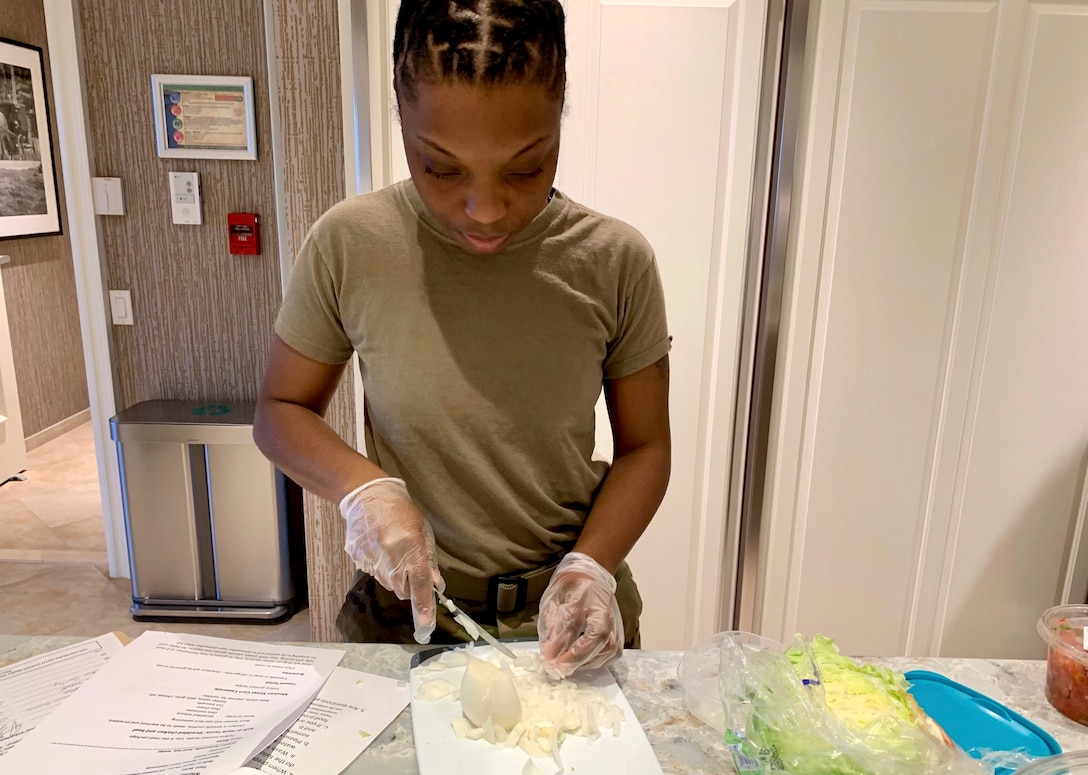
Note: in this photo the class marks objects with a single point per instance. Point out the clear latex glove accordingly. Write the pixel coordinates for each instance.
(388, 538)
(579, 624)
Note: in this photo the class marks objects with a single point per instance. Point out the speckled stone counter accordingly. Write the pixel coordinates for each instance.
(683, 745)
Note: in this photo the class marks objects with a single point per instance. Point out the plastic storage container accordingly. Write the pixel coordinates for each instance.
(1066, 764)
(1062, 627)
(979, 724)
(700, 668)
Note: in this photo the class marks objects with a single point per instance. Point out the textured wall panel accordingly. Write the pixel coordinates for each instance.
(203, 318)
(40, 285)
(307, 55)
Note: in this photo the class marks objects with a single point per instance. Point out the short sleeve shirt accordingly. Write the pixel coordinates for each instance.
(480, 372)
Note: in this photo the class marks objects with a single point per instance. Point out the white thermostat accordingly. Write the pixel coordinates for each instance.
(185, 197)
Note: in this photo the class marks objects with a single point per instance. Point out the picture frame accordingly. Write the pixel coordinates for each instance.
(204, 116)
(28, 181)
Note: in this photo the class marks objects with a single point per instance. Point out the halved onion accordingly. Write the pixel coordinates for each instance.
(488, 693)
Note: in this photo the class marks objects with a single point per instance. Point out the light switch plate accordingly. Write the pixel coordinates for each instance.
(121, 308)
(185, 198)
(108, 197)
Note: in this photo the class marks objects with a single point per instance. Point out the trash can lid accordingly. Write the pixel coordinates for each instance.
(187, 413)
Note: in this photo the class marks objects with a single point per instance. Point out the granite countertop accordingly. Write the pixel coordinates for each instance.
(683, 744)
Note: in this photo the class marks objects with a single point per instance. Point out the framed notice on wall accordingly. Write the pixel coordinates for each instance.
(28, 183)
(204, 116)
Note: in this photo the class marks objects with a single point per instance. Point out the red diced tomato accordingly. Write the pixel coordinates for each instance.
(1067, 679)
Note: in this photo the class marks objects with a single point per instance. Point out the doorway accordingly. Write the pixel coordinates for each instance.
(52, 512)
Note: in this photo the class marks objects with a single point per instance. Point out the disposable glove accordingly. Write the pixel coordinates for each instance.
(580, 624)
(389, 539)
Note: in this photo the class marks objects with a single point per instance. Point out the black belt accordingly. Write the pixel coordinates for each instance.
(505, 593)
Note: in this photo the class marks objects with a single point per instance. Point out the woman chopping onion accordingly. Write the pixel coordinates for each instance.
(487, 311)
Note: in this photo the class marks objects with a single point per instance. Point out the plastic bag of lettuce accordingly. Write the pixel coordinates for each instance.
(811, 711)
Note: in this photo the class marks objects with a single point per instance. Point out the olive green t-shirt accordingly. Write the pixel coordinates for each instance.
(480, 372)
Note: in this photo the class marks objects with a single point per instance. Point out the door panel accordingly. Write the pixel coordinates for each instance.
(1027, 458)
(901, 180)
(931, 426)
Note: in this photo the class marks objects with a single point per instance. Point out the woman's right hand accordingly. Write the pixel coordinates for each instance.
(389, 538)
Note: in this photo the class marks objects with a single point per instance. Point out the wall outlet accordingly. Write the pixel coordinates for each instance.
(121, 308)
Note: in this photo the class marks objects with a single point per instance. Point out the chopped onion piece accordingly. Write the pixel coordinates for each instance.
(531, 747)
(461, 726)
(469, 625)
(528, 660)
(530, 768)
(514, 735)
(436, 689)
(457, 658)
(489, 731)
(554, 743)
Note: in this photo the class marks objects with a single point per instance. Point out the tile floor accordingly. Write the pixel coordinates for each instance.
(54, 578)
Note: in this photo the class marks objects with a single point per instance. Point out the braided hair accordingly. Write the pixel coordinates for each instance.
(480, 42)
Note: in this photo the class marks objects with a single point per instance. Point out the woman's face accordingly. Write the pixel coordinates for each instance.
(483, 159)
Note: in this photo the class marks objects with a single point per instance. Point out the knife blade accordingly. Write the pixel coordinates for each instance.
(475, 631)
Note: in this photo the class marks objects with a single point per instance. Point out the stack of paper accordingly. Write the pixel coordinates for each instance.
(175, 704)
(31, 689)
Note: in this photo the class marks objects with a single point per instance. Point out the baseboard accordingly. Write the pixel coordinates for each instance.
(58, 429)
(63, 556)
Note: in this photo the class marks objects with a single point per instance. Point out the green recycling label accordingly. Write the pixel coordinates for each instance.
(212, 410)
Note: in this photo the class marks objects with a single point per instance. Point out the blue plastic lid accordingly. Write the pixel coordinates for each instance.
(975, 722)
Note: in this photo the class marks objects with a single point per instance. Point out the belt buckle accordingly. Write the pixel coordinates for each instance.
(507, 594)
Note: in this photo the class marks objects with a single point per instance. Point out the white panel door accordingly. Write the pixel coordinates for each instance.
(660, 132)
(930, 421)
(1025, 464)
(896, 102)
(12, 441)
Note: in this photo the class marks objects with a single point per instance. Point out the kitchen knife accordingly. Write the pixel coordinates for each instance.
(474, 630)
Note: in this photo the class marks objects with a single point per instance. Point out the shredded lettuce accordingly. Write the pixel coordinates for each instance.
(865, 698)
(812, 711)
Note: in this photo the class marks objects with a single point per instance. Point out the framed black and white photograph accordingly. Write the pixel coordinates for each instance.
(204, 116)
(28, 183)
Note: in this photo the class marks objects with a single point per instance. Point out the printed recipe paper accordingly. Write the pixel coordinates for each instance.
(175, 704)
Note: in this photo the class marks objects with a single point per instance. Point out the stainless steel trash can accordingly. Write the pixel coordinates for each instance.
(210, 521)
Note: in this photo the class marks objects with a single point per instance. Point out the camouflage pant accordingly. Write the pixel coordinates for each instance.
(373, 614)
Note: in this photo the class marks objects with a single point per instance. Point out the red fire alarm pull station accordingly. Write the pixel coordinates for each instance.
(244, 230)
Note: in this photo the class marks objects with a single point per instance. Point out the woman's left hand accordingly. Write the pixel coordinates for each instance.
(579, 624)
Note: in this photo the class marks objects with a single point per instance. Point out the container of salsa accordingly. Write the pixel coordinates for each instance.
(1063, 629)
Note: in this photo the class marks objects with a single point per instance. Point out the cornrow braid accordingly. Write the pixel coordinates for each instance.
(482, 42)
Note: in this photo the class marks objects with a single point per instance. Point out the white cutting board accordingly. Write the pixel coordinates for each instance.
(440, 752)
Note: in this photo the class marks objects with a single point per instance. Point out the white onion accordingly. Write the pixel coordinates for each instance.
(548, 710)
(488, 696)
